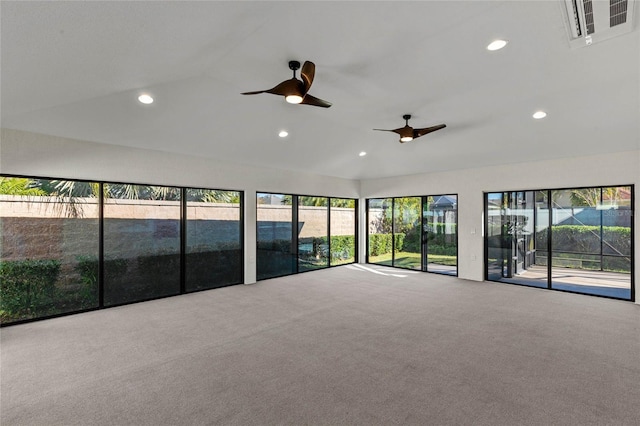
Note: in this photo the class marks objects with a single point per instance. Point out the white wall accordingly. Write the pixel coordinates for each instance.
(621, 168)
(31, 154)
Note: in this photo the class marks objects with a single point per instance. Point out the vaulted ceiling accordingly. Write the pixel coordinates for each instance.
(75, 69)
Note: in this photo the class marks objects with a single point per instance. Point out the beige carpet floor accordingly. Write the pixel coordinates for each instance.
(353, 345)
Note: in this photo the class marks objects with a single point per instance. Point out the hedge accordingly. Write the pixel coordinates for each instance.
(586, 239)
(27, 287)
(381, 243)
(343, 247)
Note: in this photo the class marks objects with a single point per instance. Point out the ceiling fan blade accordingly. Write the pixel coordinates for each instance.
(287, 87)
(307, 73)
(421, 132)
(254, 93)
(312, 100)
(388, 130)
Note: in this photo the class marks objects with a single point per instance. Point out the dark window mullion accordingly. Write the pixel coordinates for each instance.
(601, 230)
(329, 231)
(356, 254)
(393, 232)
(294, 232)
(100, 245)
(183, 240)
(549, 238)
(423, 235)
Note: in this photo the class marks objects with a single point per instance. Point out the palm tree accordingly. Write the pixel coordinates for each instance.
(70, 193)
(18, 186)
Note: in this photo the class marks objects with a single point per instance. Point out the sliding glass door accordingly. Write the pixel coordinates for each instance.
(67, 246)
(146, 264)
(343, 223)
(591, 241)
(414, 233)
(276, 250)
(380, 231)
(213, 246)
(576, 239)
(299, 233)
(407, 213)
(313, 227)
(440, 219)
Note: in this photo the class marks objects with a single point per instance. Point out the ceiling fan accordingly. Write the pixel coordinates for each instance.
(294, 90)
(408, 133)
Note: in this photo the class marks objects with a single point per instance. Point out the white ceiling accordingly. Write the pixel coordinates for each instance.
(75, 69)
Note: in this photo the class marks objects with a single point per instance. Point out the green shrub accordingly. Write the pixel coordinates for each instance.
(436, 233)
(88, 269)
(399, 241)
(27, 287)
(381, 243)
(442, 250)
(586, 239)
(342, 247)
(412, 241)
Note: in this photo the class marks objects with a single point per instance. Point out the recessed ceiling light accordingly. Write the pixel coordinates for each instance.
(539, 114)
(145, 99)
(283, 134)
(497, 44)
(362, 154)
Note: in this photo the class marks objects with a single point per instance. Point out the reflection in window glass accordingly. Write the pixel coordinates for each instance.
(407, 232)
(591, 241)
(276, 254)
(538, 260)
(48, 247)
(213, 239)
(380, 227)
(441, 234)
(313, 244)
(343, 231)
(517, 237)
(494, 236)
(141, 242)
(616, 229)
(414, 233)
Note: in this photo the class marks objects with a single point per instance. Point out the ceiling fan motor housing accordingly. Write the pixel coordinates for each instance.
(294, 65)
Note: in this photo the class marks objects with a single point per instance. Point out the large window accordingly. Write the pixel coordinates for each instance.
(141, 243)
(213, 238)
(68, 246)
(276, 250)
(301, 233)
(313, 228)
(343, 231)
(407, 215)
(380, 231)
(576, 239)
(414, 233)
(440, 221)
(49, 246)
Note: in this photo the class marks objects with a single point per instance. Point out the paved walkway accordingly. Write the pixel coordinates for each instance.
(611, 284)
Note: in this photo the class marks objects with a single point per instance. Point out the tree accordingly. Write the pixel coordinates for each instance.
(70, 192)
(19, 186)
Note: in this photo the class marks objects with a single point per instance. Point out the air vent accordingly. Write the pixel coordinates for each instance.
(588, 16)
(617, 12)
(592, 21)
